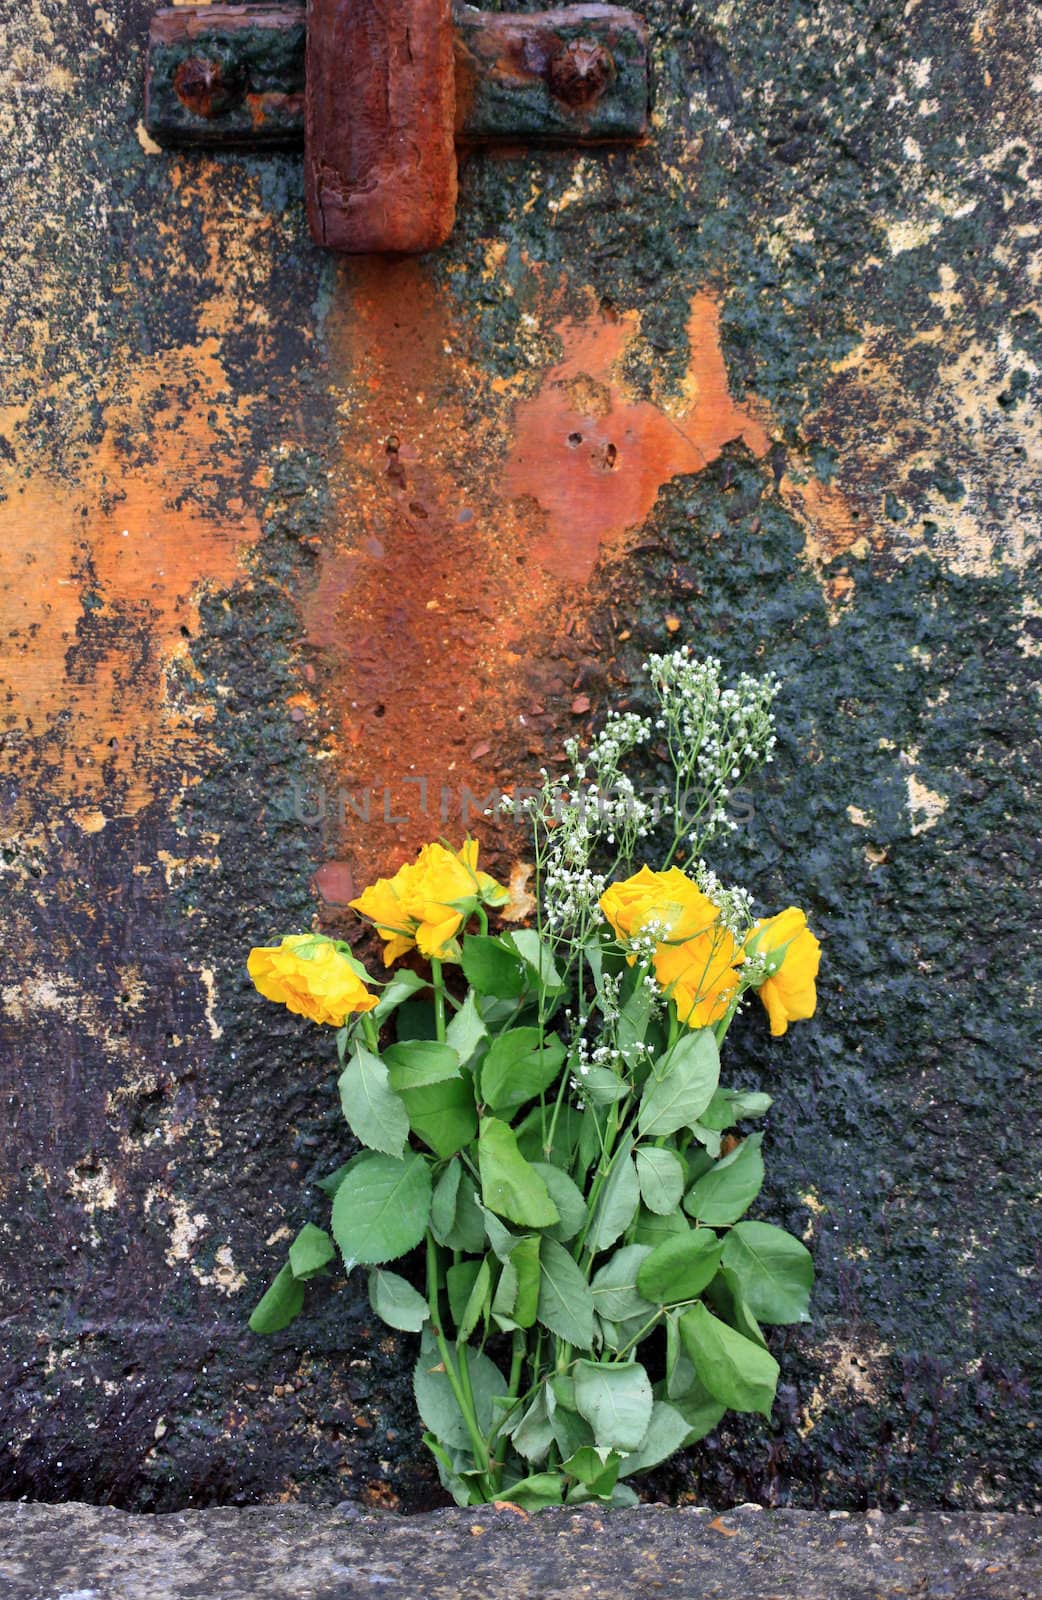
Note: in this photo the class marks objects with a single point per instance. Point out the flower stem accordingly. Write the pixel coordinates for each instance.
(439, 998)
(461, 1389)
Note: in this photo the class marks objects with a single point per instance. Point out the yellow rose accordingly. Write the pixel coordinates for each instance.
(427, 901)
(792, 955)
(384, 905)
(310, 976)
(694, 954)
(699, 976)
(664, 905)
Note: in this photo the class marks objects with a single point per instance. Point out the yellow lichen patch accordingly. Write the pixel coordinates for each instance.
(925, 806)
(849, 1374)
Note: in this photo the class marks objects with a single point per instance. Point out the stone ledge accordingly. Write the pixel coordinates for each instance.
(79, 1552)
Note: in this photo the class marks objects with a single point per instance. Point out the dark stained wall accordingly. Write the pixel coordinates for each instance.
(277, 529)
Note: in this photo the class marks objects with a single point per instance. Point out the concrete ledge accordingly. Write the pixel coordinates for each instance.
(78, 1552)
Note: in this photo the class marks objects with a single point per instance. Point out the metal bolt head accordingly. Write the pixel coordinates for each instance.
(580, 73)
(203, 87)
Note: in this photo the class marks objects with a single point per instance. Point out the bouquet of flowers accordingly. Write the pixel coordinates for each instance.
(548, 1154)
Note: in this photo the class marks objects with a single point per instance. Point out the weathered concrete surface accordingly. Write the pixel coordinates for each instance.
(78, 1552)
(276, 527)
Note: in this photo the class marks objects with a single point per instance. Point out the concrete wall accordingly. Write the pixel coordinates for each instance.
(276, 527)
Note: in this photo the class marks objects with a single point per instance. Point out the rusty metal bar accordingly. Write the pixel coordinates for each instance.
(379, 132)
(234, 76)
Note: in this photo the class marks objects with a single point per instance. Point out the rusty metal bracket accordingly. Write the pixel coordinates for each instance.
(383, 91)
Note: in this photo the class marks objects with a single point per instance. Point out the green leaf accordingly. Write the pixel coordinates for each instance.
(539, 957)
(615, 1293)
(661, 1176)
(533, 1435)
(443, 1115)
(633, 1022)
(750, 1104)
(477, 1302)
(668, 1431)
(456, 1219)
(651, 1228)
(381, 1209)
(499, 1235)
(681, 1086)
(396, 1302)
(679, 1268)
(514, 1305)
(280, 1304)
(375, 1114)
(468, 1233)
(709, 1137)
(524, 1262)
(601, 1087)
(730, 1186)
(595, 1468)
(534, 1493)
(733, 1369)
(567, 1197)
(417, 1062)
(401, 987)
(725, 1297)
(509, 1185)
(493, 967)
(565, 1297)
(571, 1431)
(332, 1181)
(436, 1402)
(459, 1281)
(467, 1030)
(516, 1069)
(728, 1106)
(774, 1271)
(699, 1409)
(443, 1205)
(616, 1401)
(535, 1124)
(310, 1251)
(617, 1202)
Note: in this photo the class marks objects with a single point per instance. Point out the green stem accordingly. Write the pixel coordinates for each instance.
(516, 1363)
(720, 1030)
(461, 1391)
(637, 1337)
(439, 998)
(371, 1031)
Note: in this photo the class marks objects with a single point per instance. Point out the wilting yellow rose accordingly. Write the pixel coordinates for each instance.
(694, 954)
(792, 956)
(310, 976)
(666, 905)
(428, 900)
(699, 976)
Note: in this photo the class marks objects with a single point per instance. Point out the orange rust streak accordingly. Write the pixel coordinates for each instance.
(99, 572)
(447, 564)
(595, 459)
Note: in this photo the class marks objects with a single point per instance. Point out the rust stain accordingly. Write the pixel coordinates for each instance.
(100, 564)
(594, 458)
(469, 523)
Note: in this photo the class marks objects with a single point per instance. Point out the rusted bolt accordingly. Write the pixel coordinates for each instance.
(580, 73)
(203, 87)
